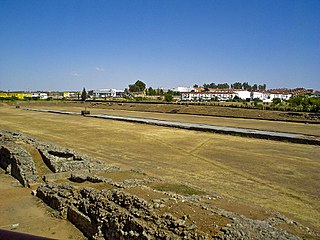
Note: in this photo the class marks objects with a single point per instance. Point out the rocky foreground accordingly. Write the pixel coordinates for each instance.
(83, 191)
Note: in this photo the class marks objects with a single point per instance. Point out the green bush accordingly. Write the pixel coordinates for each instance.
(168, 97)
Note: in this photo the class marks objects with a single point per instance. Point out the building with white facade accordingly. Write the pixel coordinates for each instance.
(207, 96)
(223, 95)
(268, 96)
(183, 89)
(42, 96)
(243, 94)
(106, 93)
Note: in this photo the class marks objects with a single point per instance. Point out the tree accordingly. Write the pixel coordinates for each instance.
(84, 94)
(260, 87)
(264, 87)
(237, 85)
(206, 87)
(151, 91)
(246, 86)
(139, 86)
(223, 85)
(212, 85)
(168, 97)
(254, 87)
(134, 88)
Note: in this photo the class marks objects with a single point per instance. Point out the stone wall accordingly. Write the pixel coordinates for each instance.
(19, 163)
(116, 214)
(58, 159)
(62, 159)
(113, 214)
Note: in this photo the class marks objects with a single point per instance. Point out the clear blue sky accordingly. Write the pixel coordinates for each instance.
(67, 45)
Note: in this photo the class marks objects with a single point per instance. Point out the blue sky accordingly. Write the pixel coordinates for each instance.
(67, 45)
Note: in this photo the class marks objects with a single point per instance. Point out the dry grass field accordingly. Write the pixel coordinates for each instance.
(280, 176)
(202, 110)
(115, 109)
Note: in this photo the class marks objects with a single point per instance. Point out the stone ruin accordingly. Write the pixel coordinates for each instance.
(18, 163)
(112, 212)
(65, 160)
(57, 159)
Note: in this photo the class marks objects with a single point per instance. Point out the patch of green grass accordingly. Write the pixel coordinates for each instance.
(178, 188)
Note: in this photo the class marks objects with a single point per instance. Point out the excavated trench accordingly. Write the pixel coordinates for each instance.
(61, 155)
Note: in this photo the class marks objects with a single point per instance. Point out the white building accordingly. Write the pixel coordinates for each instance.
(207, 96)
(260, 95)
(243, 94)
(271, 96)
(268, 96)
(42, 96)
(183, 89)
(106, 93)
(282, 96)
(224, 94)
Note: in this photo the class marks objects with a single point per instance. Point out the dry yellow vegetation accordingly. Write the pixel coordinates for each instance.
(276, 175)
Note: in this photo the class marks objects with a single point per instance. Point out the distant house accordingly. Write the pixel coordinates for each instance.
(223, 95)
(268, 96)
(198, 89)
(207, 96)
(182, 89)
(71, 95)
(42, 96)
(18, 95)
(260, 95)
(56, 95)
(186, 89)
(243, 94)
(120, 93)
(282, 94)
(106, 93)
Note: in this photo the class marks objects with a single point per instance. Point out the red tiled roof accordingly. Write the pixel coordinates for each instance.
(218, 92)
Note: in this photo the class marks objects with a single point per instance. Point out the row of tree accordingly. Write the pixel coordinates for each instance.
(159, 92)
(140, 86)
(305, 103)
(236, 85)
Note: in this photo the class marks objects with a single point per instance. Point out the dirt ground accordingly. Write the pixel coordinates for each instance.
(18, 206)
(274, 175)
